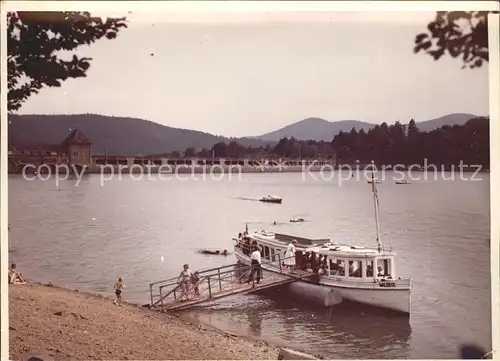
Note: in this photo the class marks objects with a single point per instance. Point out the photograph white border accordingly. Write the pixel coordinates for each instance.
(250, 10)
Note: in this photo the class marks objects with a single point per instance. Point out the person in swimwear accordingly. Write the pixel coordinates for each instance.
(184, 280)
(14, 276)
(119, 286)
(195, 280)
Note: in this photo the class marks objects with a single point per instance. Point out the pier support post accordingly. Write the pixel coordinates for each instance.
(151, 293)
(161, 298)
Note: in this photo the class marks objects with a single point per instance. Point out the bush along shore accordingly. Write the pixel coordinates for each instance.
(60, 324)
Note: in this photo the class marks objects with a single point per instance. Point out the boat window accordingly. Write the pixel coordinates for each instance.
(273, 257)
(354, 268)
(369, 269)
(336, 267)
(266, 252)
(383, 267)
(324, 265)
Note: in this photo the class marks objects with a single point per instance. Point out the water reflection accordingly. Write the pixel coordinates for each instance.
(344, 331)
(73, 237)
(255, 323)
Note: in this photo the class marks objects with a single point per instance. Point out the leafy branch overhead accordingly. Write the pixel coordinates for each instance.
(460, 34)
(35, 41)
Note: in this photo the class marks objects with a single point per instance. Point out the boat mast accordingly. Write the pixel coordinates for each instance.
(375, 206)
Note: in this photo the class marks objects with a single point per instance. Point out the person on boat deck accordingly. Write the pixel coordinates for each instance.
(290, 255)
(299, 259)
(380, 273)
(184, 280)
(298, 254)
(323, 262)
(14, 276)
(351, 268)
(256, 265)
(246, 246)
(340, 269)
(369, 270)
(305, 261)
(314, 263)
(322, 269)
(195, 280)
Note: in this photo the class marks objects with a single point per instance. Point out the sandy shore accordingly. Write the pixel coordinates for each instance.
(68, 325)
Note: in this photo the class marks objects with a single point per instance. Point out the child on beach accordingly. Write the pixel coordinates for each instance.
(119, 286)
(195, 280)
(15, 277)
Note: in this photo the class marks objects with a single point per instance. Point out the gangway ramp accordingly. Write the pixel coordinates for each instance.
(220, 282)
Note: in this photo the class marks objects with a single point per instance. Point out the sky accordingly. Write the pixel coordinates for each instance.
(245, 74)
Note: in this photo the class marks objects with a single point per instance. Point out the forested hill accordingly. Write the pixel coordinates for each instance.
(120, 136)
(448, 145)
(387, 145)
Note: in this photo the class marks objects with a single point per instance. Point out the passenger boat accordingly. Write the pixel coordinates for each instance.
(371, 276)
(404, 181)
(371, 181)
(271, 199)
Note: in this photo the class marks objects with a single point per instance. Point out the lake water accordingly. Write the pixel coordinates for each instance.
(84, 237)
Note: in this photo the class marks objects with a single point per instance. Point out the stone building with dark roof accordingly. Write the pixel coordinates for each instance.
(76, 150)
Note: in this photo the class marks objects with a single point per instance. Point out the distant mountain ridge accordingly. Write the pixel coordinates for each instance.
(131, 136)
(319, 129)
(114, 135)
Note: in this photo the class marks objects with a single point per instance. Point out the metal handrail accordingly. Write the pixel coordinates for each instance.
(220, 276)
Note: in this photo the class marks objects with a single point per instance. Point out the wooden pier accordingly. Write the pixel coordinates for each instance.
(220, 282)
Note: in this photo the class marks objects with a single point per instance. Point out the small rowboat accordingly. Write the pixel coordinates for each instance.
(271, 199)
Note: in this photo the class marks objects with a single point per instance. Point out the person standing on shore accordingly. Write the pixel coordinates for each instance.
(119, 286)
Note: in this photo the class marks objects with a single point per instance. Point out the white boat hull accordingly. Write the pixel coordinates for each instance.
(359, 291)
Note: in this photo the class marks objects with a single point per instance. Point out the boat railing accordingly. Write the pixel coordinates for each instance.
(386, 248)
(211, 281)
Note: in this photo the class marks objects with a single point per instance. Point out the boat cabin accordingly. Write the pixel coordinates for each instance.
(333, 260)
(357, 262)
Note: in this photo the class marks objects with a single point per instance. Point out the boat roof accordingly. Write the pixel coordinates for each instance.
(335, 249)
(302, 242)
(321, 246)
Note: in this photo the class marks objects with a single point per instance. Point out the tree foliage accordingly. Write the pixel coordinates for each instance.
(384, 144)
(459, 34)
(398, 144)
(34, 43)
